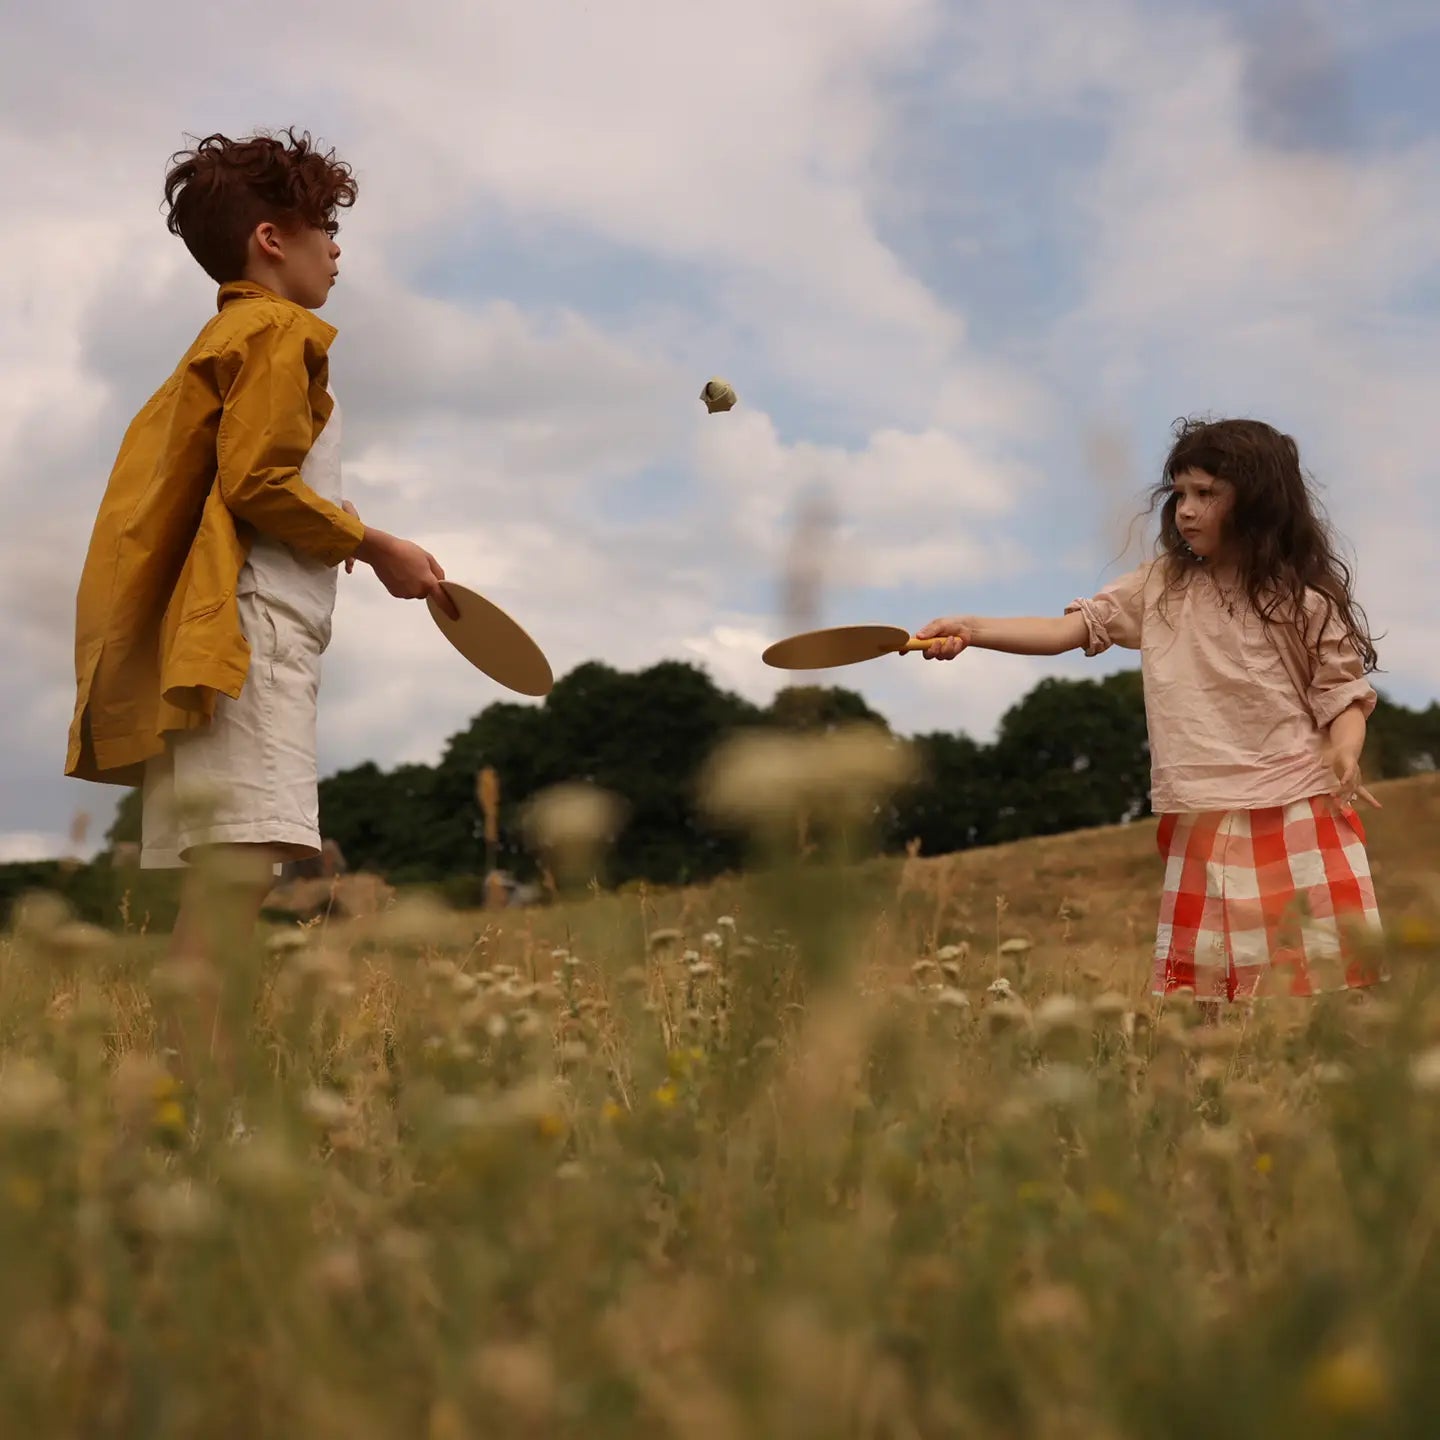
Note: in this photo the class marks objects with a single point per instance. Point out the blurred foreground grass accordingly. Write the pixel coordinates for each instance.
(897, 1150)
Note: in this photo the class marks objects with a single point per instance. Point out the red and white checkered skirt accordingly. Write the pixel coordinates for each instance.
(1266, 902)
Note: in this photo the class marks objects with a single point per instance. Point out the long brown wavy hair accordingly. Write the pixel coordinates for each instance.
(1283, 542)
(221, 190)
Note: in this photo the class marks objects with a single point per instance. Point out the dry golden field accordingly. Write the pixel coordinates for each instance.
(818, 1152)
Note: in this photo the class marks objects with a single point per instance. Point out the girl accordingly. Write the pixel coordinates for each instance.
(1254, 655)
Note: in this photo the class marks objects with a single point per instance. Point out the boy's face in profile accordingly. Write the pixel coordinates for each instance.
(301, 264)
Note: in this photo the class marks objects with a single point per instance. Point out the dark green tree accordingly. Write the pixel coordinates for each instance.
(1071, 754)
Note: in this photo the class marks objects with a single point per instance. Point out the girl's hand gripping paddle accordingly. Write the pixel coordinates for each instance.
(840, 645)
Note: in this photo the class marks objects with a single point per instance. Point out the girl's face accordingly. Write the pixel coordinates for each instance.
(1202, 508)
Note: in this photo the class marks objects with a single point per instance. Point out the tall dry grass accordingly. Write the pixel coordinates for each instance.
(887, 1149)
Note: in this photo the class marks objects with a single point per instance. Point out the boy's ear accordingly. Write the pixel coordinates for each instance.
(270, 239)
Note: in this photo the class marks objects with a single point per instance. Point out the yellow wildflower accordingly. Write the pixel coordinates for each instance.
(666, 1095)
(1264, 1163)
(550, 1125)
(1104, 1201)
(1350, 1383)
(25, 1193)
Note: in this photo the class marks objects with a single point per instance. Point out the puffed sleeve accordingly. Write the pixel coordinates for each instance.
(1337, 674)
(1114, 615)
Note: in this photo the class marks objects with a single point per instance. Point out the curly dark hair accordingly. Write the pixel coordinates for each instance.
(221, 190)
(1283, 542)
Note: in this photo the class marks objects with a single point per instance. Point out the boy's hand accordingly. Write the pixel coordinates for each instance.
(349, 509)
(951, 636)
(405, 570)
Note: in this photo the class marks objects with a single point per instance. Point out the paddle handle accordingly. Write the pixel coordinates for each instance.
(913, 644)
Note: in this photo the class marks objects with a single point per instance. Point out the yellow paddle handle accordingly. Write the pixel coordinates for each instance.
(913, 644)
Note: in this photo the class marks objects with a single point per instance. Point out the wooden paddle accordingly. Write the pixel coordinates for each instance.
(840, 645)
(491, 641)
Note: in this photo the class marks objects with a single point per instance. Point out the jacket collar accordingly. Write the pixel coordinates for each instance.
(234, 290)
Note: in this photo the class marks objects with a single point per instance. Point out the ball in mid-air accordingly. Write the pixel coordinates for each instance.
(718, 395)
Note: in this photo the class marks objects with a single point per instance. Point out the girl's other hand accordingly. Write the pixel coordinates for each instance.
(951, 635)
(1348, 784)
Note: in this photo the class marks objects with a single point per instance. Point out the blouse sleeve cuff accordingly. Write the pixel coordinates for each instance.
(1096, 637)
(1332, 703)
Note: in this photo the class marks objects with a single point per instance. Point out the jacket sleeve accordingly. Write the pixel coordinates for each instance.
(270, 380)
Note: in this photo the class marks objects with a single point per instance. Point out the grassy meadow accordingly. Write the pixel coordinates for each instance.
(893, 1148)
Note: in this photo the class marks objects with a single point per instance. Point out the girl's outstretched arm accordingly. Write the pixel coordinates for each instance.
(1022, 635)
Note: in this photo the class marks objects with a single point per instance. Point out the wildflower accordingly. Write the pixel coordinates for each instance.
(181, 1211)
(1413, 933)
(951, 998)
(520, 1376)
(1109, 1006)
(327, 1109)
(1105, 1202)
(1016, 946)
(712, 939)
(666, 1095)
(611, 1113)
(572, 823)
(1351, 1384)
(1063, 1086)
(31, 1098)
(951, 971)
(1264, 1163)
(496, 1026)
(921, 968)
(701, 968)
(265, 1170)
(549, 1125)
(1007, 1015)
(25, 1193)
(1050, 1308)
(1059, 1013)
(952, 952)
(691, 957)
(1425, 1071)
(338, 1273)
(726, 922)
(659, 939)
(169, 1121)
(1000, 989)
(287, 942)
(1217, 1144)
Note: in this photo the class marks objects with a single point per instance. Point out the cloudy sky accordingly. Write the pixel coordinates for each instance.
(964, 260)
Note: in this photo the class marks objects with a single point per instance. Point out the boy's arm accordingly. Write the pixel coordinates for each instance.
(266, 430)
(1021, 635)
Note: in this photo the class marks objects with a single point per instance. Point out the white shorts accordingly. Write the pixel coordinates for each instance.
(249, 777)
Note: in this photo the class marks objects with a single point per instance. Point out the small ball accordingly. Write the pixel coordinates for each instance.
(718, 395)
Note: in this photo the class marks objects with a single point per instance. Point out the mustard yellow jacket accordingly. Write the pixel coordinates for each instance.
(213, 458)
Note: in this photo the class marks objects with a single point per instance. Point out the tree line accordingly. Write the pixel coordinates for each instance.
(1070, 754)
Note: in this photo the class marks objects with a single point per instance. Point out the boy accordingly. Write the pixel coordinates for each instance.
(206, 597)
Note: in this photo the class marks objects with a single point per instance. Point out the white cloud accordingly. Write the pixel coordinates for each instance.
(552, 449)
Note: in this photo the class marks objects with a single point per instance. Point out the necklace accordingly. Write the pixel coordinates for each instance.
(1227, 595)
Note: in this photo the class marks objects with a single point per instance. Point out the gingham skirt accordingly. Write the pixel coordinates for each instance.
(1266, 902)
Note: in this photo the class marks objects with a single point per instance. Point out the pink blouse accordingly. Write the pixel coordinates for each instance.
(1237, 712)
